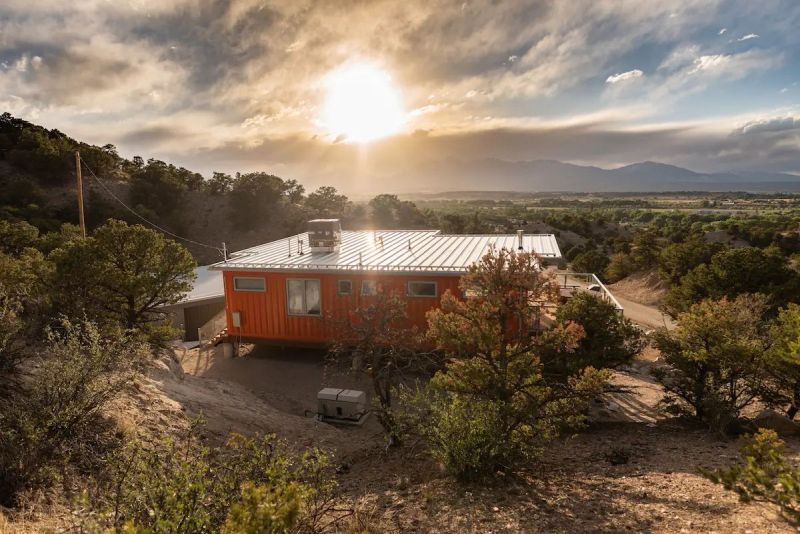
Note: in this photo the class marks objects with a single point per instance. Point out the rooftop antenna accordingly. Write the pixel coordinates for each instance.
(300, 245)
(289, 241)
(359, 259)
(224, 251)
(519, 239)
(409, 244)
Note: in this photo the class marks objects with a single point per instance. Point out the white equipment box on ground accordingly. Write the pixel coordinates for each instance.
(347, 406)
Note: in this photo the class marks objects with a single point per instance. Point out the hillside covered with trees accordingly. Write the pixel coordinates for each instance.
(37, 185)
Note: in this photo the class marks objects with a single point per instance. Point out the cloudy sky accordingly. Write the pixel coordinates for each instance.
(242, 85)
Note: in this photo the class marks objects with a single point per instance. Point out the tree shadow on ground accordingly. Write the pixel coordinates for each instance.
(573, 488)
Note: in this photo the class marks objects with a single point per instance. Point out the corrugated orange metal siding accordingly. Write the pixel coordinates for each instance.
(264, 314)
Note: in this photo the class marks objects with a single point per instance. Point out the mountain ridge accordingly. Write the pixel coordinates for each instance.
(543, 175)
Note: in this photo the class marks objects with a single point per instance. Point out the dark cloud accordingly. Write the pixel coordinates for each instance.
(214, 46)
(779, 124)
(152, 136)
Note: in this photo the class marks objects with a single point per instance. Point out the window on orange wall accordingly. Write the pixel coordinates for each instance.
(421, 289)
(303, 297)
(249, 283)
(369, 288)
(344, 287)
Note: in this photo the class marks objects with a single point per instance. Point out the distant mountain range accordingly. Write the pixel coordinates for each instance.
(550, 175)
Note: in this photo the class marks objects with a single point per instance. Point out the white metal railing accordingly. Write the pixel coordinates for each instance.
(210, 330)
(573, 281)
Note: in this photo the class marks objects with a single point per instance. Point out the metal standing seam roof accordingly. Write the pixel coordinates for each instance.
(386, 250)
(207, 285)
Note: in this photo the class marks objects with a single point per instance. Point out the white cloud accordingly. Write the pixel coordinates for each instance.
(428, 109)
(722, 31)
(708, 63)
(257, 120)
(748, 37)
(735, 66)
(679, 58)
(624, 76)
(784, 90)
(21, 65)
(512, 59)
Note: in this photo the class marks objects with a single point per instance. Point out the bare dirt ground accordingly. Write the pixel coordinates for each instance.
(574, 488)
(649, 317)
(230, 405)
(285, 383)
(640, 295)
(644, 288)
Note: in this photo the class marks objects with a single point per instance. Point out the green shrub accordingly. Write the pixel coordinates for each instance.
(16, 237)
(249, 484)
(498, 407)
(715, 359)
(10, 326)
(590, 261)
(610, 339)
(123, 275)
(23, 278)
(53, 425)
(264, 510)
(254, 199)
(158, 186)
(619, 266)
(645, 249)
(783, 362)
(765, 474)
(677, 259)
(465, 435)
(734, 272)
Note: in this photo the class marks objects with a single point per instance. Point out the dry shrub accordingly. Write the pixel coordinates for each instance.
(53, 427)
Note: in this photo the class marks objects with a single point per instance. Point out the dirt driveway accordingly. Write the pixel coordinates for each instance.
(642, 314)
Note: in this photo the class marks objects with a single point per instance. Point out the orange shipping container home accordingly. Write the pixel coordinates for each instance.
(291, 290)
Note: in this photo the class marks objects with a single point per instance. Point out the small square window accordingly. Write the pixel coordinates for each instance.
(344, 287)
(369, 288)
(249, 283)
(421, 289)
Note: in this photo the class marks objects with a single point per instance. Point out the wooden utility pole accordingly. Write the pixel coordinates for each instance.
(80, 192)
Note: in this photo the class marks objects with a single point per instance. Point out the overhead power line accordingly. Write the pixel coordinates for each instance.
(143, 218)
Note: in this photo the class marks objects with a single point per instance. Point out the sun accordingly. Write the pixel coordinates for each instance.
(361, 103)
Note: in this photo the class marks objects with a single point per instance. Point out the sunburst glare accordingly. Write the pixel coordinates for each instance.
(361, 103)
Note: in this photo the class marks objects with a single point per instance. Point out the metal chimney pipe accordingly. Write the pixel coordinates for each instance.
(519, 239)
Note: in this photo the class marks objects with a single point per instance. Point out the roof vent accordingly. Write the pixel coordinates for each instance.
(519, 239)
(324, 235)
